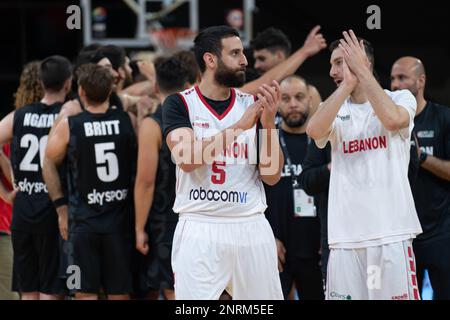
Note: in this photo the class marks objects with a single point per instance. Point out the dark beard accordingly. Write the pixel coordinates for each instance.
(295, 123)
(228, 77)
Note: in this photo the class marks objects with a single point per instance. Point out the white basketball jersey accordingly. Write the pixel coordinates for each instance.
(370, 199)
(231, 185)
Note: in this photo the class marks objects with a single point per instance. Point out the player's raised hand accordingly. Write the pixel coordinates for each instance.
(354, 53)
(270, 97)
(349, 77)
(250, 116)
(314, 42)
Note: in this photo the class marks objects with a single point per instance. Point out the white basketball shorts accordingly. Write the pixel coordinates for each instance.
(211, 254)
(386, 272)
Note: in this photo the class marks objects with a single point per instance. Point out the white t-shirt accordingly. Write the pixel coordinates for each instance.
(370, 200)
(232, 187)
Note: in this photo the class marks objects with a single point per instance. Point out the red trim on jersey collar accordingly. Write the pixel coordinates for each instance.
(184, 102)
(211, 109)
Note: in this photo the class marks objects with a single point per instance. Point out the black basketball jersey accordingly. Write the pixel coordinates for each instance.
(33, 210)
(101, 167)
(164, 195)
(431, 193)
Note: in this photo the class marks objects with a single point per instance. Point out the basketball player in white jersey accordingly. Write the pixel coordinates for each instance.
(222, 240)
(371, 215)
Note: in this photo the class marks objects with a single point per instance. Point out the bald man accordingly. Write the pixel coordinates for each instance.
(431, 189)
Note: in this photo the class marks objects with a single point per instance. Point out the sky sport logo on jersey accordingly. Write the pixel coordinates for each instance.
(30, 188)
(96, 197)
(238, 148)
(216, 195)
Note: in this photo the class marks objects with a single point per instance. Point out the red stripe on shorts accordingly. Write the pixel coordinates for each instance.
(416, 294)
(414, 280)
(411, 266)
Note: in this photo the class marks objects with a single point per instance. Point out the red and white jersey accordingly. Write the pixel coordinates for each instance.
(370, 199)
(231, 186)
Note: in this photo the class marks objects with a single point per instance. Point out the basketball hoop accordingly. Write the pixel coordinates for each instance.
(168, 40)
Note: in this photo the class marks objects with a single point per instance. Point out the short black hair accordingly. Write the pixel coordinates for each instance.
(54, 71)
(85, 56)
(367, 47)
(93, 56)
(115, 54)
(171, 74)
(210, 40)
(272, 39)
(96, 81)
